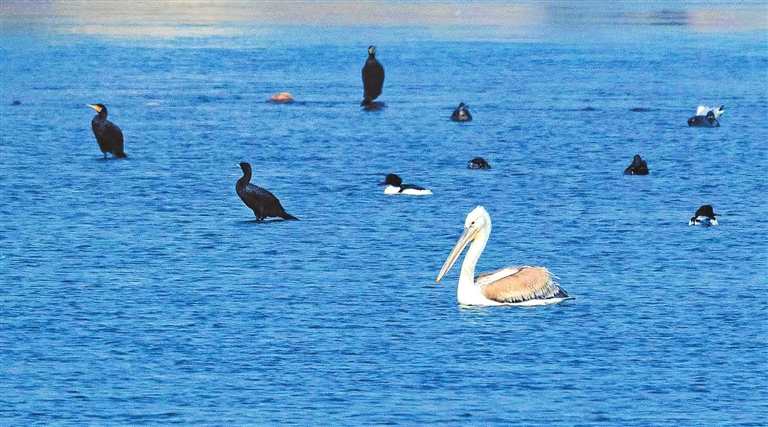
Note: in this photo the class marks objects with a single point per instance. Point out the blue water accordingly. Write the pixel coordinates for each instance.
(141, 291)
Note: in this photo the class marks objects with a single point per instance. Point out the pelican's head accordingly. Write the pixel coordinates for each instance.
(478, 221)
(478, 218)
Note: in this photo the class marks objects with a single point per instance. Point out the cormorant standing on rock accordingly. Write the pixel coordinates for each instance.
(108, 135)
(262, 202)
(373, 77)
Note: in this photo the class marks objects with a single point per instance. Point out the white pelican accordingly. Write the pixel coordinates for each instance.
(508, 286)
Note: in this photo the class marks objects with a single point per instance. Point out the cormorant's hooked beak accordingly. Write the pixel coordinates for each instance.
(467, 236)
(95, 107)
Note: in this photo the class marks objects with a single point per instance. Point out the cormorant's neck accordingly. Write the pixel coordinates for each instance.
(245, 179)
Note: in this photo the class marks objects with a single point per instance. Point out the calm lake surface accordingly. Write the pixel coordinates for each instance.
(141, 291)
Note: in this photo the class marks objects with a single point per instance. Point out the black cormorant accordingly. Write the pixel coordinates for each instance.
(461, 114)
(478, 163)
(373, 77)
(638, 167)
(262, 202)
(108, 135)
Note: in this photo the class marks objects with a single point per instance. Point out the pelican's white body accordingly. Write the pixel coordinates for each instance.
(469, 292)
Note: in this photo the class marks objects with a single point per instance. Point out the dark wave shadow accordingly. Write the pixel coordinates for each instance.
(374, 106)
(266, 221)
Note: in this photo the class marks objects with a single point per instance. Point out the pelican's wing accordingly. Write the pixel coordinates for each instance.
(494, 276)
(517, 284)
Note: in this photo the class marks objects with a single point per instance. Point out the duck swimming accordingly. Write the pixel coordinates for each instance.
(508, 286)
(705, 216)
(394, 185)
(108, 135)
(373, 77)
(706, 116)
(263, 203)
(638, 167)
(461, 114)
(478, 163)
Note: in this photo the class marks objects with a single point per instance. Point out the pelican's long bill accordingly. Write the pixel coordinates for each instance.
(467, 236)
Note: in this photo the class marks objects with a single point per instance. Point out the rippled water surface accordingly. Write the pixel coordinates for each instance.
(141, 291)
